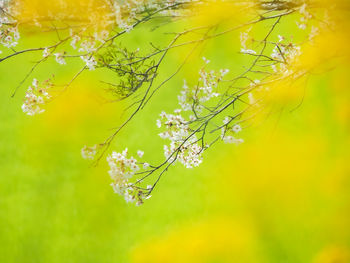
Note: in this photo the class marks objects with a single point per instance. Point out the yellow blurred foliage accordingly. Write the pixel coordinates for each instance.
(95, 12)
(320, 52)
(212, 13)
(340, 84)
(333, 254)
(220, 239)
(326, 47)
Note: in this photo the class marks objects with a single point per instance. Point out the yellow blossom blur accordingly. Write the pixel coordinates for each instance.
(222, 239)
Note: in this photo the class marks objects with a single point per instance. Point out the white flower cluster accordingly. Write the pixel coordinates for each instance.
(89, 152)
(89, 61)
(287, 53)
(9, 35)
(305, 17)
(46, 53)
(122, 22)
(189, 152)
(122, 169)
(315, 31)
(88, 46)
(228, 132)
(183, 146)
(193, 98)
(176, 126)
(59, 58)
(35, 97)
(244, 37)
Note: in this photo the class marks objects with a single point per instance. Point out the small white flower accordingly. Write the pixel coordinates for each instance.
(89, 61)
(206, 61)
(159, 123)
(46, 53)
(274, 68)
(75, 40)
(60, 58)
(251, 98)
(231, 139)
(302, 26)
(226, 120)
(87, 46)
(280, 38)
(314, 32)
(236, 128)
(140, 153)
(35, 83)
(89, 152)
(224, 71)
(122, 169)
(248, 51)
(35, 97)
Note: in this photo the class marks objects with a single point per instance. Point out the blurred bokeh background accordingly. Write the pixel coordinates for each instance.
(282, 196)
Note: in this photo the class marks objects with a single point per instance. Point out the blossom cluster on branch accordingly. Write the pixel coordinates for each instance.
(216, 108)
(36, 96)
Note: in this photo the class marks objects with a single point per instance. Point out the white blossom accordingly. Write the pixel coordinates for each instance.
(35, 97)
(74, 41)
(227, 120)
(9, 36)
(60, 58)
(305, 17)
(140, 153)
(206, 61)
(280, 38)
(90, 62)
(193, 98)
(46, 53)
(251, 98)
(87, 46)
(189, 153)
(315, 31)
(227, 135)
(248, 51)
(231, 139)
(236, 128)
(122, 169)
(182, 144)
(89, 152)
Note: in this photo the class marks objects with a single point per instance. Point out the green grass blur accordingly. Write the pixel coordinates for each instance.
(283, 196)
